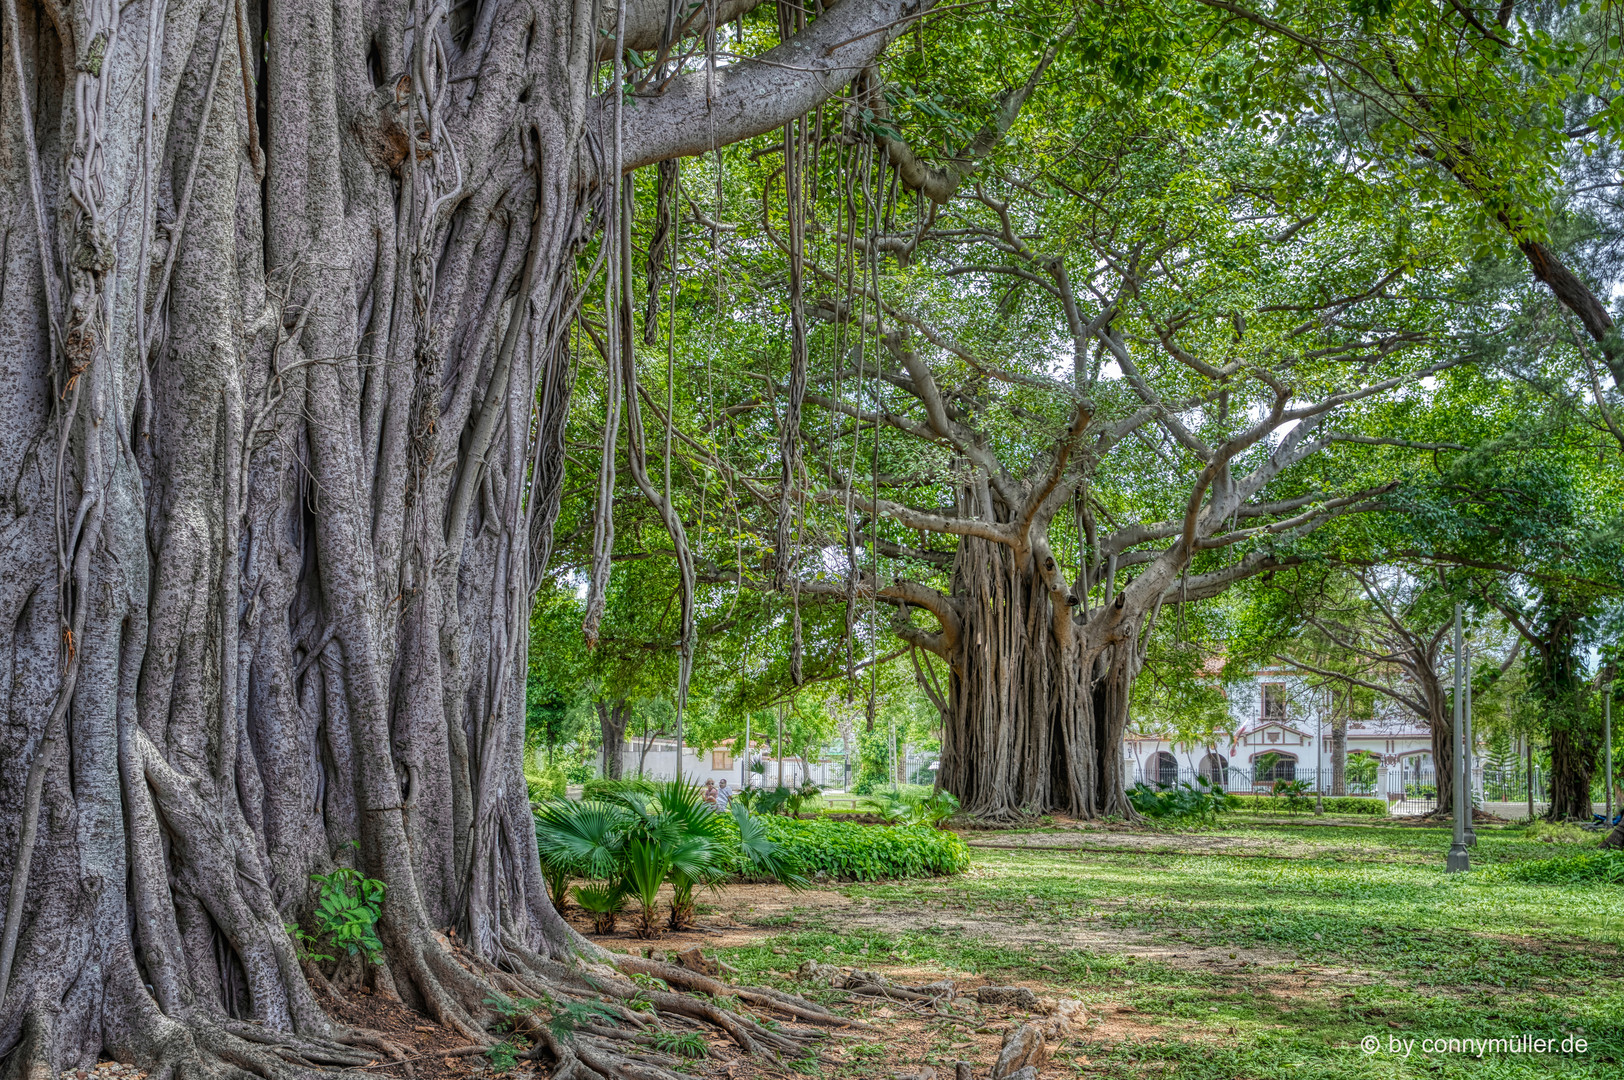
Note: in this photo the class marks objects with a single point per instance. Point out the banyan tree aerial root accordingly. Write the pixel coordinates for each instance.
(600, 1018)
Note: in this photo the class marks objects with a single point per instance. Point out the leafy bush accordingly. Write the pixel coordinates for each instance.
(634, 842)
(600, 789)
(578, 839)
(1200, 801)
(848, 851)
(1584, 868)
(890, 804)
(1295, 792)
(1334, 804)
(347, 914)
(907, 806)
(778, 800)
(936, 809)
(603, 901)
(549, 783)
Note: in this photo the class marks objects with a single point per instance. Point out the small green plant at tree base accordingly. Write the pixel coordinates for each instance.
(306, 944)
(513, 1012)
(348, 910)
(604, 902)
(503, 1055)
(686, 1044)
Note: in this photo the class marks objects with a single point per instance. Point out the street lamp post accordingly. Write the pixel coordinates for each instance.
(1607, 781)
(1319, 758)
(1459, 858)
(1471, 749)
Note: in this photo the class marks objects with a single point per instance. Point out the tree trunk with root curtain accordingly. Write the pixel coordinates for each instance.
(285, 287)
(1041, 666)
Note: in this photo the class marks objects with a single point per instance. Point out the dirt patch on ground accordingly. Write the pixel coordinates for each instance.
(748, 914)
(426, 1043)
(751, 913)
(1108, 840)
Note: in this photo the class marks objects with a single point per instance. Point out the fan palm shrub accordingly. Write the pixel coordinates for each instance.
(579, 840)
(635, 841)
(604, 901)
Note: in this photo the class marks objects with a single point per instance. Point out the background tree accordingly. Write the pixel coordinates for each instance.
(1504, 108)
(959, 467)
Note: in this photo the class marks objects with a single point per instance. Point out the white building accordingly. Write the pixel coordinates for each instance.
(1275, 711)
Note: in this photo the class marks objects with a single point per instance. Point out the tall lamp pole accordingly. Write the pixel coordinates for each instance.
(1459, 858)
(1607, 713)
(1471, 747)
(1319, 757)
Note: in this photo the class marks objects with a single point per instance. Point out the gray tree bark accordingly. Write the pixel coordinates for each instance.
(1339, 752)
(612, 719)
(284, 288)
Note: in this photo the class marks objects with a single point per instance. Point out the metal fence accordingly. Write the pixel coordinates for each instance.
(1241, 780)
(1411, 786)
(1408, 785)
(1510, 785)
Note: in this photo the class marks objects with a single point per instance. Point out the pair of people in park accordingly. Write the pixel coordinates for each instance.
(719, 797)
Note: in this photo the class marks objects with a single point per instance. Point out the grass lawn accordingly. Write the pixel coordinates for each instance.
(1262, 948)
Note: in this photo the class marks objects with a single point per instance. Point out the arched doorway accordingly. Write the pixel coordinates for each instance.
(1215, 767)
(1165, 768)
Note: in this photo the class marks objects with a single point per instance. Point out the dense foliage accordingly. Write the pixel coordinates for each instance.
(639, 838)
(1584, 868)
(1334, 804)
(845, 851)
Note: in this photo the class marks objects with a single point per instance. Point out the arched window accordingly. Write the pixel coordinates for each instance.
(1215, 767)
(1167, 769)
(1285, 768)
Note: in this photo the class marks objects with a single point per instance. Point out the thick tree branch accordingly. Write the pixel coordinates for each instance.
(939, 183)
(755, 96)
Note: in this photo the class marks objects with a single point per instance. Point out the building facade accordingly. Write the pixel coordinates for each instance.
(1274, 711)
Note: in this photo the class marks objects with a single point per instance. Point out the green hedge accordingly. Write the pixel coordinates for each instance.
(848, 851)
(599, 788)
(1585, 868)
(1334, 804)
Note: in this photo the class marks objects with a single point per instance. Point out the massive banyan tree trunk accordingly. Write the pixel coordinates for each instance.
(281, 386)
(1038, 696)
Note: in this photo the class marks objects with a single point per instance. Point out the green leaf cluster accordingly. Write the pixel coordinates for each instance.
(846, 851)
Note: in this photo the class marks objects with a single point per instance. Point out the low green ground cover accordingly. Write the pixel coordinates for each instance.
(1342, 933)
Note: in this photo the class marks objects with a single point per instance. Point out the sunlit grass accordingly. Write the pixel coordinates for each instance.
(1402, 951)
